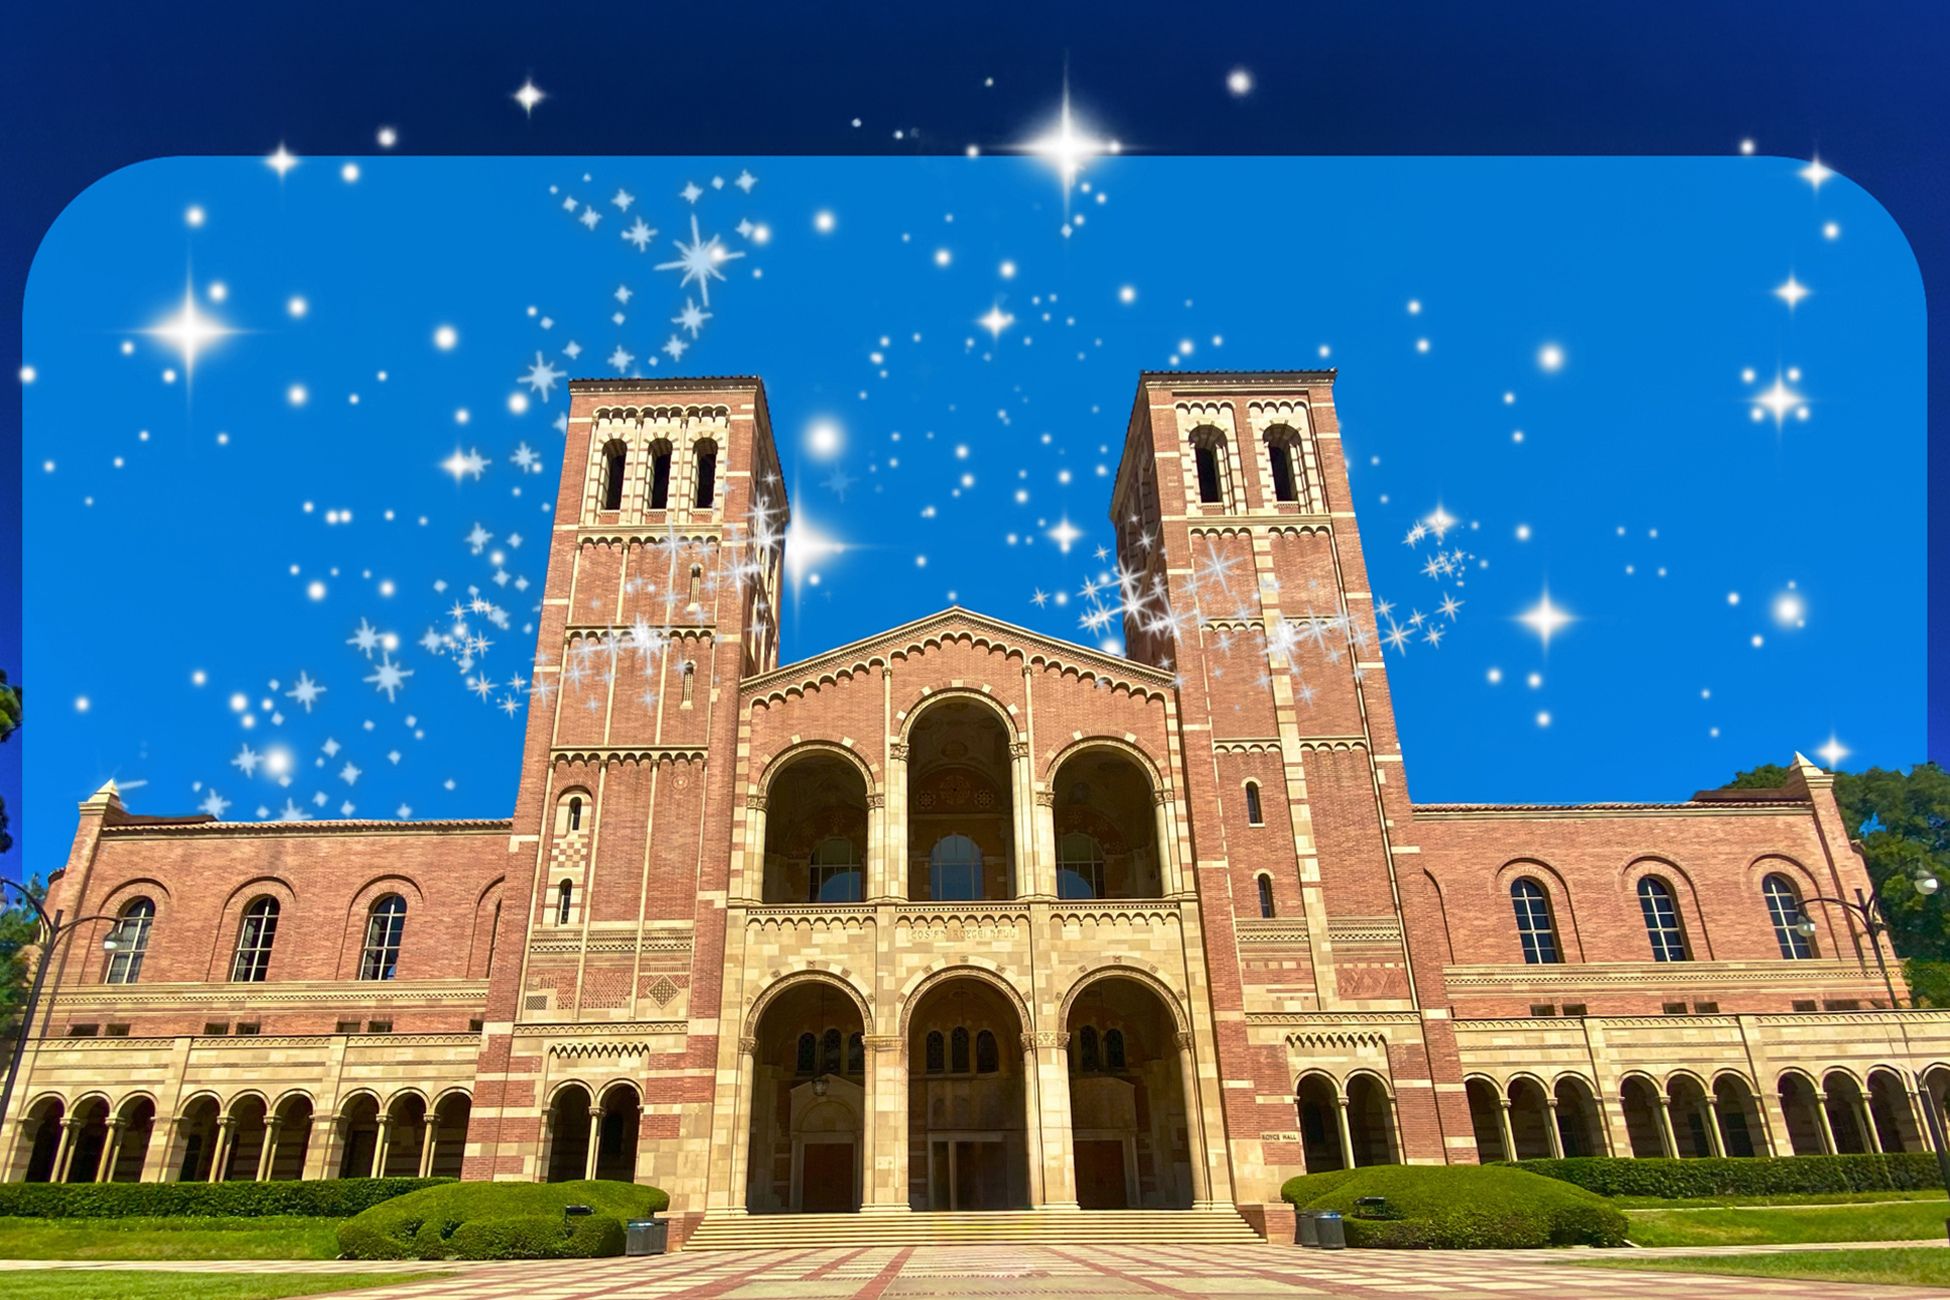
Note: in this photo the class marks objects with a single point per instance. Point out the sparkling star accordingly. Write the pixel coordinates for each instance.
(1780, 401)
(1067, 147)
(995, 320)
(1815, 173)
(282, 161)
(528, 96)
(1545, 619)
(699, 261)
(1792, 292)
(1833, 752)
(189, 331)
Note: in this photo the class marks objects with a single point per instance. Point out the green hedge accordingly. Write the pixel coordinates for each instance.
(1731, 1176)
(332, 1198)
(1459, 1207)
(500, 1221)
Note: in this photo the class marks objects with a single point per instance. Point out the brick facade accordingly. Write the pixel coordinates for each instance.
(960, 915)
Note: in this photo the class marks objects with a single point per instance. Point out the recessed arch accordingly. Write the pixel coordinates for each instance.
(1166, 994)
(919, 987)
(794, 979)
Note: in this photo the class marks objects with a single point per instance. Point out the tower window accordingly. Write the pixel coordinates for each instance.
(1266, 908)
(690, 677)
(1208, 474)
(707, 474)
(1254, 814)
(575, 813)
(1283, 459)
(660, 476)
(564, 902)
(613, 461)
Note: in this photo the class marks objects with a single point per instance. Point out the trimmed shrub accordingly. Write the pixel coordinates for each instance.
(334, 1198)
(1459, 1207)
(1736, 1176)
(500, 1221)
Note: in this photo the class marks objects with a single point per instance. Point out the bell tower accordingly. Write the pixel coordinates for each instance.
(1242, 572)
(662, 593)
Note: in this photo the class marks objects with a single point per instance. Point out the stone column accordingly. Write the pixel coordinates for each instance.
(64, 1151)
(105, 1172)
(1347, 1133)
(1714, 1141)
(1045, 881)
(162, 1145)
(886, 1125)
(226, 1138)
(755, 848)
(1668, 1144)
(1168, 882)
(1028, 865)
(273, 1125)
(1822, 1122)
(322, 1153)
(1032, 1102)
(381, 1144)
(1194, 1123)
(1866, 1118)
(595, 1142)
(873, 872)
(1551, 1131)
(1919, 1120)
(1503, 1122)
(1053, 1106)
(896, 869)
(741, 1124)
(430, 1135)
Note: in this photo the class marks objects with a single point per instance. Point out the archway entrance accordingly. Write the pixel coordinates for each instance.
(568, 1134)
(1129, 1127)
(138, 1126)
(1106, 828)
(816, 832)
(41, 1139)
(960, 810)
(1741, 1129)
(90, 1140)
(1580, 1131)
(808, 1099)
(968, 1145)
(620, 1123)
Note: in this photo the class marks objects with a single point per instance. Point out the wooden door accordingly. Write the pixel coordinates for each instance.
(1100, 1175)
(826, 1178)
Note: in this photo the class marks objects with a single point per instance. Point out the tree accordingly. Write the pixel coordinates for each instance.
(1902, 821)
(9, 723)
(20, 932)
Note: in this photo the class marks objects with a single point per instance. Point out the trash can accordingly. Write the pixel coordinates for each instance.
(646, 1237)
(1305, 1232)
(1331, 1232)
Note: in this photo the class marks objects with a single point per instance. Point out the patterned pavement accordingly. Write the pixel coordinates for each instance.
(1069, 1272)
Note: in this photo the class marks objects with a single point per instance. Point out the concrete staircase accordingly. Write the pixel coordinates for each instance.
(1219, 1225)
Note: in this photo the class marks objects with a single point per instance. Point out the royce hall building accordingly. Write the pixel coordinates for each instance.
(960, 917)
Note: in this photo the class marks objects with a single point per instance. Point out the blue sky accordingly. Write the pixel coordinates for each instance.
(202, 534)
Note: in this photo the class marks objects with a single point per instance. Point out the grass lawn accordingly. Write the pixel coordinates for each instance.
(90, 1284)
(1889, 1266)
(1880, 1221)
(1783, 1198)
(271, 1237)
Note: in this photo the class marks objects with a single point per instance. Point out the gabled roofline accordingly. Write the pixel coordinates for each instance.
(1067, 651)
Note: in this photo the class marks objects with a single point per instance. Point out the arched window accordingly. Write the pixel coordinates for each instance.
(958, 1050)
(690, 679)
(807, 1061)
(697, 579)
(856, 1054)
(937, 1055)
(575, 812)
(564, 902)
(1534, 928)
(659, 475)
(1661, 920)
(385, 923)
(1255, 815)
(613, 460)
(132, 941)
(1266, 897)
(955, 869)
(1079, 866)
(1113, 1049)
(570, 808)
(1087, 1058)
(1283, 458)
(987, 1059)
(1784, 910)
(259, 930)
(707, 474)
(1208, 454)
(835, 871)
(830, 1047)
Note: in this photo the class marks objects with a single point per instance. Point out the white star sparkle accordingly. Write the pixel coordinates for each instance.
(1792, 292)
(1545, 618)
(699, 261)
(281, 161)
(1833, 752)
(528, 96)
(189, 331)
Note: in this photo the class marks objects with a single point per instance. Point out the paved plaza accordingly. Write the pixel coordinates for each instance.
(934, 1272)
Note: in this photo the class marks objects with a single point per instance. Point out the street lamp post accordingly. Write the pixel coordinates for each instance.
(1874, 920)
(52, 931)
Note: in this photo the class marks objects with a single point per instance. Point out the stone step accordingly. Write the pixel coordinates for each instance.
(935, 1228)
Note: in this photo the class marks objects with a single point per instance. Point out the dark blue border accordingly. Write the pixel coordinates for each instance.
(89, 88)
